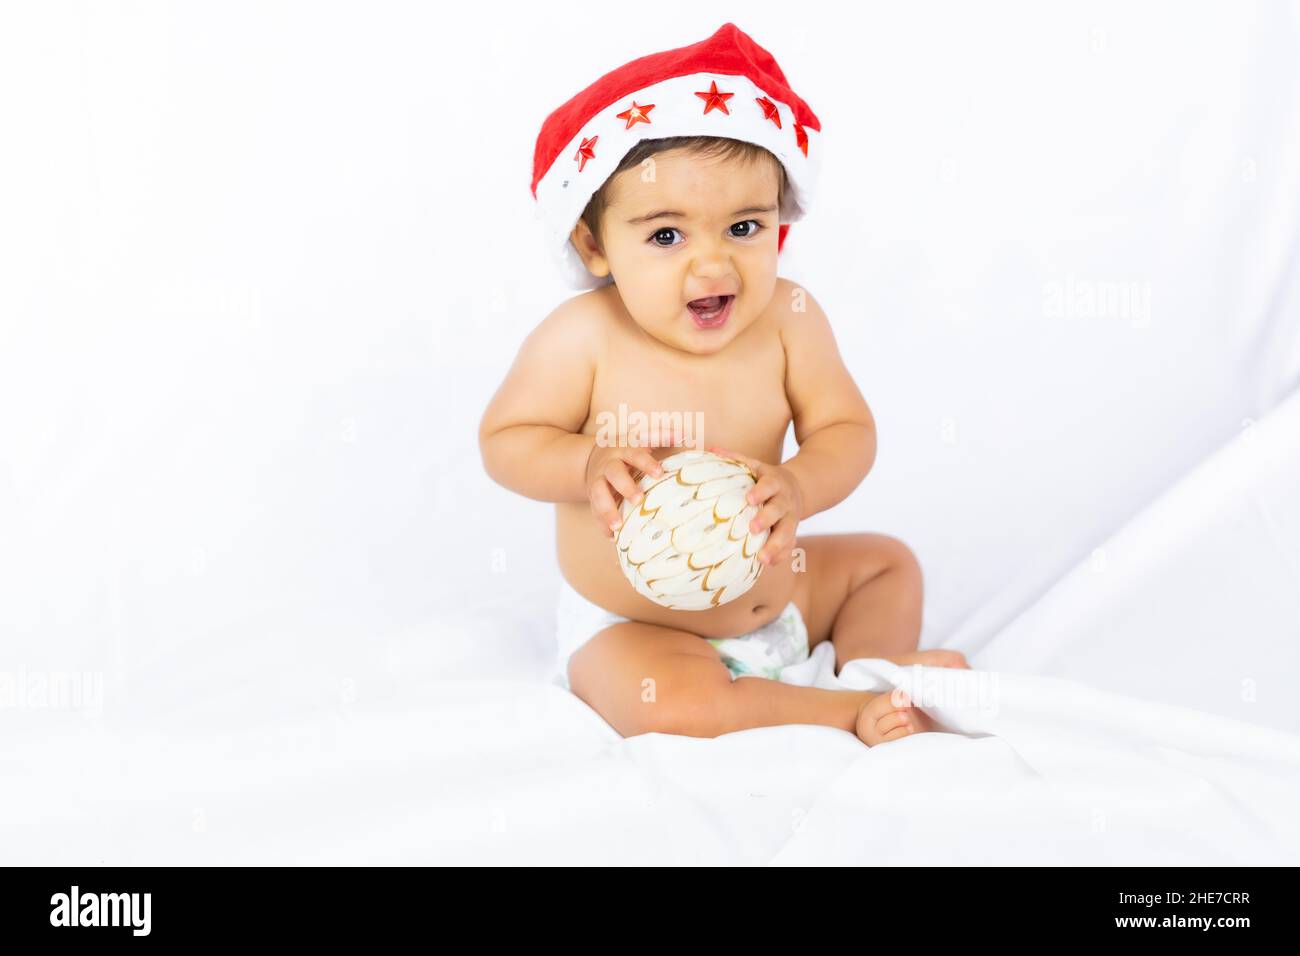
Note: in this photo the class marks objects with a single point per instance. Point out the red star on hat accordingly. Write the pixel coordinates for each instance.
(637, 114)
(769, 110)
(585, 151)
(715, 100)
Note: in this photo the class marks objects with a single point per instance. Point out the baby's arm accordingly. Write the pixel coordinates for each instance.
(527, 434)
(832, 423)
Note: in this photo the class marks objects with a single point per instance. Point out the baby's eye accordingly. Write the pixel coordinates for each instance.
(750, 233)
(666, 230)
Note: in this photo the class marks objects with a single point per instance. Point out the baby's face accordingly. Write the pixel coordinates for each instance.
(687, 228)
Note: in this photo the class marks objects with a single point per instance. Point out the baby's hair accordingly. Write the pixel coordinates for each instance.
(707, 147)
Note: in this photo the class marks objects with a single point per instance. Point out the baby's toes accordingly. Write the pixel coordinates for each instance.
(881, 720)
(900, 723)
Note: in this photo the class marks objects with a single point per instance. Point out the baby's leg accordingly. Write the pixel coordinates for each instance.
(863, 592)
(643, 679)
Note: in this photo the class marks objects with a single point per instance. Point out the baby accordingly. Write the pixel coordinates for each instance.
(667, 188)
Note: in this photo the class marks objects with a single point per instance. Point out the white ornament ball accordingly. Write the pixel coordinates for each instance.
(687, 544)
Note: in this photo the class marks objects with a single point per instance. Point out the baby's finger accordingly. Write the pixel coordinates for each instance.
(644, 459)
(604, 508)
(895, 734)
(767, 516)
(778, 544)
(765, 488)
(616, 474)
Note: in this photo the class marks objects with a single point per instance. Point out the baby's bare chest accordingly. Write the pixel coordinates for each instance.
(735, 399)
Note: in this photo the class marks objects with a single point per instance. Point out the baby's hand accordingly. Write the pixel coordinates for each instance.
(781, 499)
(609, 481)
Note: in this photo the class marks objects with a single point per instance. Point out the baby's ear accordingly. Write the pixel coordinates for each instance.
(589, 250)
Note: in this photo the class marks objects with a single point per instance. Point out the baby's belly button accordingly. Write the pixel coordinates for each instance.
(753, 615)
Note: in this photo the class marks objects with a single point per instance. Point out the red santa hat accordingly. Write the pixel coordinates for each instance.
(726, 86)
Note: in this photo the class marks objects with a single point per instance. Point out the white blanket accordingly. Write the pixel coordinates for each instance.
(1034, 769)
(1040, 771)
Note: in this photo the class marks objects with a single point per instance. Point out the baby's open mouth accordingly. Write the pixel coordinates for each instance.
(710, 311)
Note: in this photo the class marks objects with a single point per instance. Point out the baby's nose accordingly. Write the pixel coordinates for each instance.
(711, 264)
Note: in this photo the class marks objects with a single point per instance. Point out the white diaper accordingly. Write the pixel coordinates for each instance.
(761, 653)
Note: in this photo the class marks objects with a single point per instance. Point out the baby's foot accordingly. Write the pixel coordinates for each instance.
(890, 716)
(936, 658)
